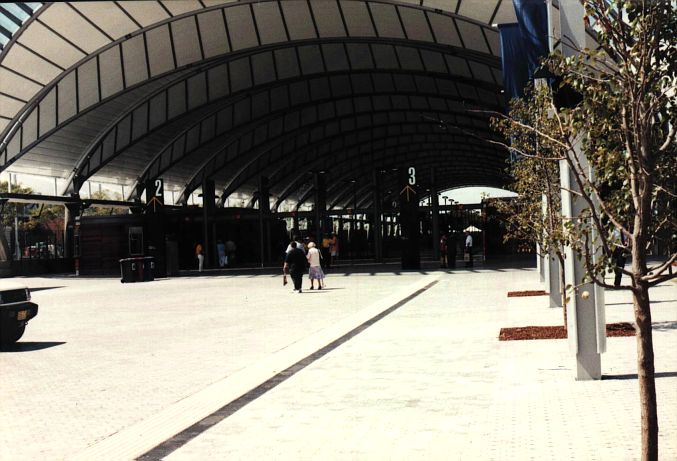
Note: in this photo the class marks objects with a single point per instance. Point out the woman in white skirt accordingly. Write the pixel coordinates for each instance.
(314, 258)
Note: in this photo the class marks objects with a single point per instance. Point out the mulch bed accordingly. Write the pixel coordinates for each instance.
(518, 294)
(559, 332)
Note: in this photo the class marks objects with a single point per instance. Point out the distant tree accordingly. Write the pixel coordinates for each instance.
(105, 210)
(10, 210)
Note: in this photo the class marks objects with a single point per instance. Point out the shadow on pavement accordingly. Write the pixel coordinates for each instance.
(31, 346)
(665, 374)
(44, 288)
(664, 326)
(652, 302)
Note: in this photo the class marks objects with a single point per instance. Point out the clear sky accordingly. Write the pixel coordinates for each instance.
(474, 194)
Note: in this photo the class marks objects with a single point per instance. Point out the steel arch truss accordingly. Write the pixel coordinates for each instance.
(268, 41)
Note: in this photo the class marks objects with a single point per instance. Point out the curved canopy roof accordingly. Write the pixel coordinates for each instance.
(229, 91)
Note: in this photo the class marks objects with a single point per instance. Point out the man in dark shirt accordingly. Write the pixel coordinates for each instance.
(295, 264)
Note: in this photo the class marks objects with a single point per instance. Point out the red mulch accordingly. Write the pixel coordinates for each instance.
(559, 332)
(517, 294)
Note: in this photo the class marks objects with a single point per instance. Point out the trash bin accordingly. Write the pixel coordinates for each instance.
(137, 269)
(148, 269)
(128, 269)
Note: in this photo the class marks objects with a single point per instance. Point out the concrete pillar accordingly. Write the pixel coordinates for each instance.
(540, 256)
(378, 228)
(71, 212)
(264, 219)
(409, 219)
(585, 311)
(553, 280)
(320, 205)
(435, 207)
(208, 207)
(155, 229)
(67, 218)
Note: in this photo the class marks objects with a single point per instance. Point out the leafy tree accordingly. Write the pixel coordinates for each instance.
(624, 128)
(535, 179)
(10, 210)
(107, 210)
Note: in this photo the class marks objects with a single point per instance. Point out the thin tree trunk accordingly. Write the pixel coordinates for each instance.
(642, 308)
(646, 373)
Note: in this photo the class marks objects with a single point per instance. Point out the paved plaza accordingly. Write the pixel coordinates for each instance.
(113, 371)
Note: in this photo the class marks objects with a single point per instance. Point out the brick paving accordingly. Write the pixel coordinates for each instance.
(429, 381)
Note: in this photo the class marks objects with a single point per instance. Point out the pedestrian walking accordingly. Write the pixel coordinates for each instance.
(295, 265)
(315, 272)
(199, 254)
(619, 256)
(221, 250)
(299, 245)
(231, 249)
(443, 251)
(468, 250)
(334, 249)
(325, 251)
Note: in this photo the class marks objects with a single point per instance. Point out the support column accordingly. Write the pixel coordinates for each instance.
(320, 206)
(553, 281)
(541, 259)
(409, 219)
(67, 219)
(378, 228)
(551, 268)
(435, 206)
(155, 238)
(208, 206)
(264, 219)
(71, 237)
(586, 322)
(295, 223)
(71, 212)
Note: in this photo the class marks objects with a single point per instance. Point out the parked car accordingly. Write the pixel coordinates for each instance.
(16, 309)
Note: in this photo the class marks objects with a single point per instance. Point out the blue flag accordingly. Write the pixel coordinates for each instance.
(514, 59)
(532, 18)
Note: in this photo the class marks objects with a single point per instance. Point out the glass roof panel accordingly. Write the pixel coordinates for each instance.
(12, 16)
(8, 23)
(16, 11)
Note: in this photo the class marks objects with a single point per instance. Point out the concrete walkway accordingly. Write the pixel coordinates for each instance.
(111, 371)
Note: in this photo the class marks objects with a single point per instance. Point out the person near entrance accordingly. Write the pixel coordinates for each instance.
(451, 250)
(315, 273)
(334, 249)
(221, 250)
(200, 255)
(298, 242)
(295, 265)
(443, 251)
(325, 251)
(231, 248)
(619, 256)
(468, 250)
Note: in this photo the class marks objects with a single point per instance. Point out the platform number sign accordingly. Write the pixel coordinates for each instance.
(412, 176)
(155, 191)
(409, 180)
